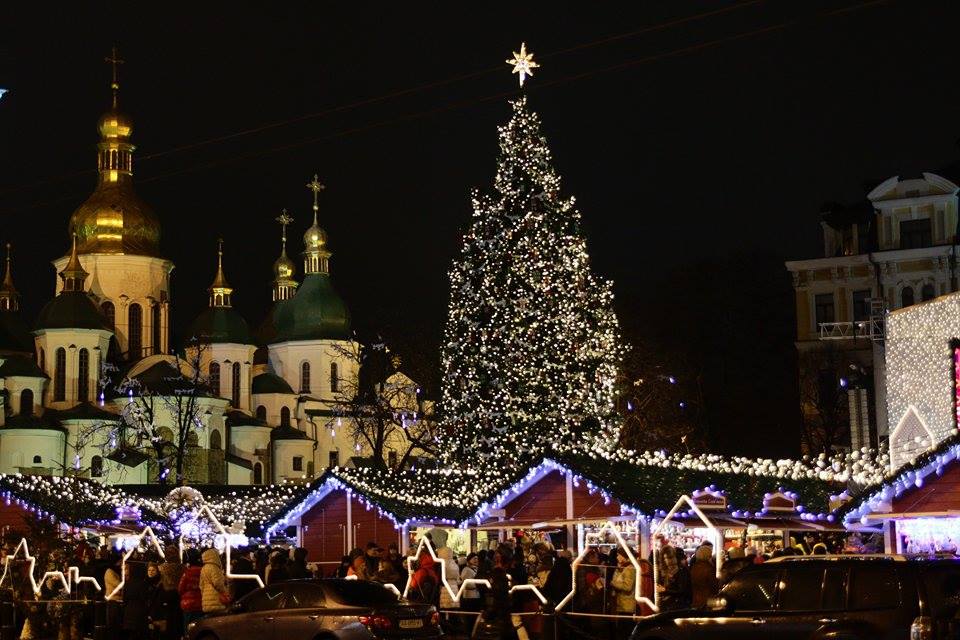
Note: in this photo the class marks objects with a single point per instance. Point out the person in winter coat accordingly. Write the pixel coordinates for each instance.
(298, 569)
(452, 574)
(590, 584)
(113, 596)
(423, 583)
(242, 565)
(170, 572)
(471, 594)
(624, 584)
(497, 610)
(387, 573)
(191, 599)
(559, 580)
(213, 584)
(703, 576)
(277, 569)
(136, 601)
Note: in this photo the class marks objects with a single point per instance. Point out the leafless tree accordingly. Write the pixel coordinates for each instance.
(161, 417)
(660, 401)
(382, 407)
(823, 399)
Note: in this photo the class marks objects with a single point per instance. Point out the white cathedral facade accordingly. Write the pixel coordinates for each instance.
(272, 396)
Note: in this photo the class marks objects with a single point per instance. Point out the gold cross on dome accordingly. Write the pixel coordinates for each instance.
(114, 60)
(316, 186)
(284, 219)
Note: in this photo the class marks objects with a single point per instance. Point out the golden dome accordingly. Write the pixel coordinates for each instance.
(283, 268)
(114, 125)
(315, 238)
(114, 219)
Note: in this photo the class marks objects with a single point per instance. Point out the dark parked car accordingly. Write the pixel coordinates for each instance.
(818, 597)
(329, 609)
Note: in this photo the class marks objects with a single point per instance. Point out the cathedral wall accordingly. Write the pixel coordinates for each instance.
(287, 359)
(15, 385)
(72, 341)
(125, 280)
(225, 354)
(31, 451)
(284, 452)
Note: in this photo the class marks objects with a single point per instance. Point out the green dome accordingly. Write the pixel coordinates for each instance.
(72, 310)
(219, 325)
(316, 312)
(288, 433)
(20, 366)
(270, 383)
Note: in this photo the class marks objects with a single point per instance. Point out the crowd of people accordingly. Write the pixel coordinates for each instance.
(155, 597)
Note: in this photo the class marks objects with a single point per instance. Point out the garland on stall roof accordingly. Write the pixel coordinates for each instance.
(911, 475)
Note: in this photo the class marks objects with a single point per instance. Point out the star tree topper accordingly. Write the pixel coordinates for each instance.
(523, 63)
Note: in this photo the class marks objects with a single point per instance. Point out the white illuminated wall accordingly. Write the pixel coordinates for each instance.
(919, 364)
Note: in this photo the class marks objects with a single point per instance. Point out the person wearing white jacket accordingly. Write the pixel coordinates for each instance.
(452, 573)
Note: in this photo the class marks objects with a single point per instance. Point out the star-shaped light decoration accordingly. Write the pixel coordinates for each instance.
(226, 537)
(523, 63)
(72, 577)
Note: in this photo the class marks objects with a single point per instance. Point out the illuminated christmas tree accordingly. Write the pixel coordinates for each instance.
(532, 341)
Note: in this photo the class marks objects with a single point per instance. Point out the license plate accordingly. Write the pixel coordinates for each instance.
(412, 623)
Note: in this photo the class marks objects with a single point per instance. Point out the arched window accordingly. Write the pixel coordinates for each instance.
(157, 347)
(906, 297)
(334, 378)
(96, 467)
(236, 384)
(26, 402)
(193, 440)
(305, 377)
(83, 375)
(928, 292)
(135, 335)
(110, 313)
(215, 379)
(257, 473)
(60, 376)
(285, 417)
(215, 443)
(37, 460)
(262, 413)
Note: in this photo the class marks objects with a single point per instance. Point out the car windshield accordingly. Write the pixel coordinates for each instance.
(359, 593)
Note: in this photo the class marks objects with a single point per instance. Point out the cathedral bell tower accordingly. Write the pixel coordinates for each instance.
(118, 242)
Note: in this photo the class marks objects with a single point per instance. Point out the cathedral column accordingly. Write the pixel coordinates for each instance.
(147, 339)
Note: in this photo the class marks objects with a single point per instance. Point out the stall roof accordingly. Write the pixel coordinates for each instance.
(909, 477)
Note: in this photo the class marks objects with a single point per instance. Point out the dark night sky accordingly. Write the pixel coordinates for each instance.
(731, 145)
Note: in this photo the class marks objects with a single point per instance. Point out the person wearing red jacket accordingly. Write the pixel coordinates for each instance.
(191, 600)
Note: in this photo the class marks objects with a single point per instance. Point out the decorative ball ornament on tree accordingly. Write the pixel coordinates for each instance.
(519, 377)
